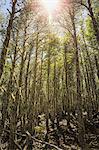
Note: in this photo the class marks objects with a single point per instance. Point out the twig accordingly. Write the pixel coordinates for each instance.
(17, 145)
(42, 142)
(33, 138)
(15, 142)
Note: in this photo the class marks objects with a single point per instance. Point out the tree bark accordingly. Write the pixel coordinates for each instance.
(79, 97)
(7, 39)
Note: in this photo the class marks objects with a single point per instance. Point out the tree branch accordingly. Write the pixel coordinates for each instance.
(42, 142)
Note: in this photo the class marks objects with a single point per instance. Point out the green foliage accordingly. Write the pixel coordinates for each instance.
(90, 33)
(40, 129)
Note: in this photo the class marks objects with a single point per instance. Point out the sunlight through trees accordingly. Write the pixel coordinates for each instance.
(49, 75)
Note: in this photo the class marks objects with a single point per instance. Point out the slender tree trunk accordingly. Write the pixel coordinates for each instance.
(32, 105)
(48, 93)
(7, 39)
(95, 23)
(88, 90)
(6, 95)
(92, 76)
(79, 97)
(66, 83)
(26, 99)
(41, 83)
(97, 65)
(54, 100)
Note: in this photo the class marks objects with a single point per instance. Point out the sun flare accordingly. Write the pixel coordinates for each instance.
(50, 5)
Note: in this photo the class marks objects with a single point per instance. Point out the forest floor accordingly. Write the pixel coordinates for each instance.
(61, 137)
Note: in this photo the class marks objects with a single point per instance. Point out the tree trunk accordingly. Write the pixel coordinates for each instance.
(7, 39)
(95, 24)
(79, 97)
(7, 93)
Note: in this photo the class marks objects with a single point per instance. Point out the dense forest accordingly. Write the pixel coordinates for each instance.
(49, 74)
